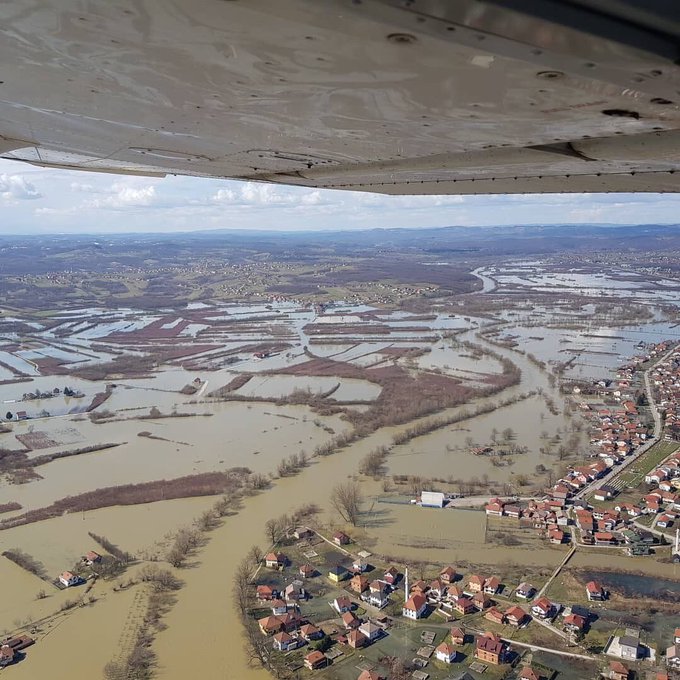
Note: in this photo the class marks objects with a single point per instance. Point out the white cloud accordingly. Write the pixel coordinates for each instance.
(16, 187)
(81, 201)
(224, 196)
(84, 188)
(126, 196)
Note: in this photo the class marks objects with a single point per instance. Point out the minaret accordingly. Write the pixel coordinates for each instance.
(406, 585)
(677, 541)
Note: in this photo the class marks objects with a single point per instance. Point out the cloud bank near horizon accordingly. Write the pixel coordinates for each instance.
(42, 201)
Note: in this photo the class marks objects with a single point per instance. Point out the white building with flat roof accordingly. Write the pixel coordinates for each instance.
(432, 499)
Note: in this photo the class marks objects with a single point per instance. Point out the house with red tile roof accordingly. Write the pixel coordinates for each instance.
(370, 675)
(415, 606)
(358, 583)
(617, 671)
(315, 660)
(350, 620)
(437, 588)
(266, 593)
(475, 583)
(495, 616)
(495, 507)
(458, 635)
(515, 616)
(543, 609)
(340, 538)
(528, 673)
(310, 632)
(492, 585)
(447, 575)
(446, 652)
(391, 575)
(356, 639)
(489, 648)
(464, 605)
(284, 642)
(573, 623)
(91, 557)
(270, 625)
(275, 560)
(595, 591)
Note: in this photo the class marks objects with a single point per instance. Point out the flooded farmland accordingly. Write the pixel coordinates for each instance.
(212, 387)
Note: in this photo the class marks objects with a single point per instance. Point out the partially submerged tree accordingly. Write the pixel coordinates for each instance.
(346, 499)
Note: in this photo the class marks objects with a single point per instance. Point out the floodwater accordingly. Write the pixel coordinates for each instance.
(60, 542)
(257, 436)
(598, 350)
(275, 386)
(444, 453)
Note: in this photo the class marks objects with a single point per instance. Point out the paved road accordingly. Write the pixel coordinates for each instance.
(559, 568)
(476, 501)
(616, 470)
(536, 648)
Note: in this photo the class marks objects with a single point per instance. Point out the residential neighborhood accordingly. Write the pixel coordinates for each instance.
(355, 612)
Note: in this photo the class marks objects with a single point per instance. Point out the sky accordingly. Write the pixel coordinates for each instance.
(47, 201)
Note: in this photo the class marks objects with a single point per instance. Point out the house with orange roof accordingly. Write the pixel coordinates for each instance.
(617, 671)
(447, 575)
(275, 560)
(356, 639)
(415, 607)
(475, 583)
(595, 591)
(492, 585)
(446, 652)
(284, 642)
(515, 616)
(315, 660)
(67, 579)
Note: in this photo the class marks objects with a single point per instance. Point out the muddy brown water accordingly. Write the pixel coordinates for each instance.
(255, 435)
(203, 625)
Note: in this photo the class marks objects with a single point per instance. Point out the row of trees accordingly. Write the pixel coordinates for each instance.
(293, 464)
(373, 463)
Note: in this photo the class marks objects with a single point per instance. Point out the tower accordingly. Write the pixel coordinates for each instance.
(406, 585)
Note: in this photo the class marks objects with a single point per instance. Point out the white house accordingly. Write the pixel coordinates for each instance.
(673, 656)
(284, 642)
(378, 598)
(68, 579)
(371, 630)
(446, 653)
(342, 604)
(278, 607)
(414, 607)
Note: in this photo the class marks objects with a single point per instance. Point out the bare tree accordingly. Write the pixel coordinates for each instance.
(240, 587)
(255, 554)
(346, 498)
(276, 527)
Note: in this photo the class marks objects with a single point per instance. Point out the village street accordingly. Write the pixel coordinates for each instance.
(615, 471)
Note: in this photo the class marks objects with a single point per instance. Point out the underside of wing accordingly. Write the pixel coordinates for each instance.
(390, 96)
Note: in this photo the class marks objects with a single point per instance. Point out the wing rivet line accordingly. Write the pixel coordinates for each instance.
(401, 38)
(550, 75)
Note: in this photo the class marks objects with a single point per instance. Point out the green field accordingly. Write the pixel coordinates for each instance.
(634, 475)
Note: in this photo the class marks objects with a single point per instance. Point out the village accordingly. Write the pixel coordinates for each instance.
(326, 607)
(320, 605)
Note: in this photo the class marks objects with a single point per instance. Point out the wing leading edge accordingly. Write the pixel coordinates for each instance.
(392, 96)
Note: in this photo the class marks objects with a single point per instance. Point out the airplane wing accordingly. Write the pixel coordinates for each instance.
(390, 96)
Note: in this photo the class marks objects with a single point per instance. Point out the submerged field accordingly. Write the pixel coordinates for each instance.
(285, 399)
